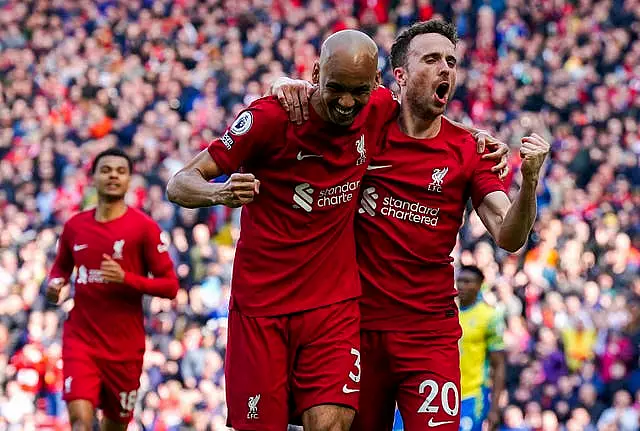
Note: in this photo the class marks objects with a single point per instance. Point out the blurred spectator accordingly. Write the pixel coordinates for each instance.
(162, 78)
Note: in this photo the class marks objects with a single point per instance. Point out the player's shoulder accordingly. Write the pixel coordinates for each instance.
(382, 95)
(269, 109)
(487, 310)
(140, 216)
(80, 218)
(457, 133)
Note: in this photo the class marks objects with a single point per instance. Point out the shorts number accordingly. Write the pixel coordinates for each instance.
(355, 377)
(128, 400)
(426, 406)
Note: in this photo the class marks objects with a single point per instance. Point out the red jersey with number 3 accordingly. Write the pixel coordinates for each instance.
(413, 200)
(296, 249)
(107, 318)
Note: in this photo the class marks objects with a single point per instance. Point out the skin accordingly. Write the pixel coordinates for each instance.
(111, 179)
(469, 285)
(346, 75)
(430, 62)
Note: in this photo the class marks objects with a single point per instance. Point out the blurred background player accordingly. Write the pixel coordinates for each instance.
(113, 249)
(294, 320)
(482, 354)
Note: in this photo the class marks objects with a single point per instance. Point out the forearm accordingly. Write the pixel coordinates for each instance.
(498, 377)
(190, 189)
(518, 220)
(163, 287)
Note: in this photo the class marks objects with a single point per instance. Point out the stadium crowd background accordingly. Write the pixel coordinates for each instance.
(161, 78)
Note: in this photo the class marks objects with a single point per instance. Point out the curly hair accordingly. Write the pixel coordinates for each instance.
(401, 44)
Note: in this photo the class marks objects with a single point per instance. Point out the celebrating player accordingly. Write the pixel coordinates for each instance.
(413, 200)
(481, 348)
(294, 321)
(113, 248)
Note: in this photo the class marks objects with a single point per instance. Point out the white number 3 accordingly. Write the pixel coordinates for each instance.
(355, 377)
(128, 400)
(426, 406)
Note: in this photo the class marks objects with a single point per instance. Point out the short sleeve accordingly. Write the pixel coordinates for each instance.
(495, 333)
(484, 181)
(251, 132)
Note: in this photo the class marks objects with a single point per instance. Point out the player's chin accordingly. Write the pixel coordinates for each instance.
(113, 194)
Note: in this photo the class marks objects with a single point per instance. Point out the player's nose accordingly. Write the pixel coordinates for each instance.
(346, 101)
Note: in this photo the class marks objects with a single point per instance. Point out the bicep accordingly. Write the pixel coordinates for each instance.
(493, 210)
(204, 165)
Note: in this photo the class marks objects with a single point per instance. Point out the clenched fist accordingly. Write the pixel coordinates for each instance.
(533, 151)
(53, 290)
(240, 189)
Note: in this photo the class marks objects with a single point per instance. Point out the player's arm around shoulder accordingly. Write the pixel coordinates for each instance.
(252, 131)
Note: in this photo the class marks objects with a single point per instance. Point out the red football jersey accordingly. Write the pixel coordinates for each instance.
(412, 204)
(296, 249)
(107, 318)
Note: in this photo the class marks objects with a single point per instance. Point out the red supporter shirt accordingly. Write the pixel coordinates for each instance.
(107, 319)
(413, 199)
(296, 249)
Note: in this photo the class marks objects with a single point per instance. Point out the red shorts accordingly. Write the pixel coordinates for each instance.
(110, 385)
(420, 371)
(278, 367)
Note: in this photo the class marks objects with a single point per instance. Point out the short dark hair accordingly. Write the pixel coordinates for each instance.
(403, 40)
(474, 270)
(114, 151)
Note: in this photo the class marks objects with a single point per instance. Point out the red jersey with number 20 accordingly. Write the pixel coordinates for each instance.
(413, 200)
(107, 319)
(296, 250)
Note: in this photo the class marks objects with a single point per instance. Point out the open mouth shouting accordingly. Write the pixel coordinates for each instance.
(441, 94)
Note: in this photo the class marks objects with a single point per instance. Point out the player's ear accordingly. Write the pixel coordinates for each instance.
(400, 76)
(315, 75)
(378, 78)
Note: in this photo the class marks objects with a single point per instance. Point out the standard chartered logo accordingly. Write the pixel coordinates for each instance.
(329, 197)
(303, 196)
(368, 201)
(399, 209)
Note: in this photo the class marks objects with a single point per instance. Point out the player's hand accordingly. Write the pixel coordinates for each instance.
(533, 151)
(53, 290)
(500, 151)
(240, 189)
(111, 270)
(493, 420)
(293, 95)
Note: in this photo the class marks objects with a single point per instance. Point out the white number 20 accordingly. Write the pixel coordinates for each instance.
(128, 400)
(426, 406)
(352, 376)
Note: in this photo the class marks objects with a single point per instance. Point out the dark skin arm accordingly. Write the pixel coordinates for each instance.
(497, 363)
(190, 187)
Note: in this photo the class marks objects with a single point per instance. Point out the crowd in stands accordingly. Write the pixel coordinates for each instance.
(162, 78)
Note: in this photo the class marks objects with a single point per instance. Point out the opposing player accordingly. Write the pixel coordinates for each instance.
(113, 249)
(413, 200)
(294, 322)
(481, 354)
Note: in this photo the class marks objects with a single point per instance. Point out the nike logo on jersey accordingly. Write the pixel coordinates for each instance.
(79, 247)
(347, 390)
(434, 424)
(304, 156)
(371, 167)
